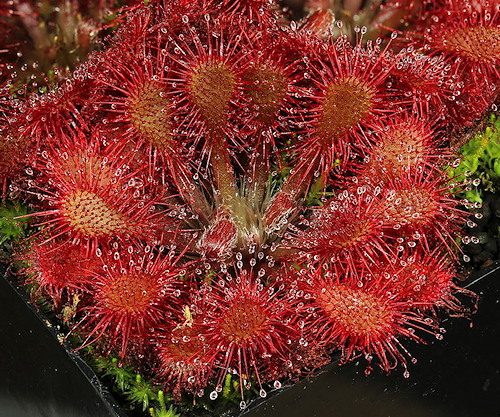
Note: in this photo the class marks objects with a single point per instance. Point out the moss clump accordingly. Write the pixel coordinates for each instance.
(480, 162)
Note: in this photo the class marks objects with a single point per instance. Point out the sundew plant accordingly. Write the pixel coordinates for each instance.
(214, 189)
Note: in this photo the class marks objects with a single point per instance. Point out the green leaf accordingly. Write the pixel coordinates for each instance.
(474, 196)
(496, 167)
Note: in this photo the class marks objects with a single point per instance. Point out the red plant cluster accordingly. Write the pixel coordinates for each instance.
(225, 192)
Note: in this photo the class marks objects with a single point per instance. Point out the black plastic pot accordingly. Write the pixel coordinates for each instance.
(456, 377)
(38, 376)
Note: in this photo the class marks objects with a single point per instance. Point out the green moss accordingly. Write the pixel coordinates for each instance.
(138, 391)
(162, 411)
(11, 228)
(480, 162)
(142, 393)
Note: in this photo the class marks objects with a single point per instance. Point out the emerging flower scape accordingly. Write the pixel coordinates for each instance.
(217, 191)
